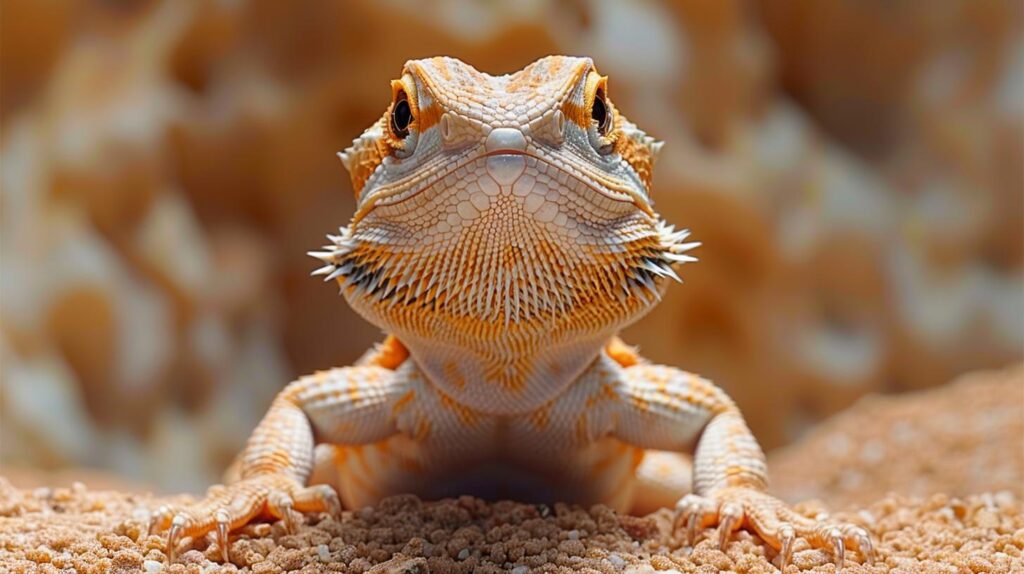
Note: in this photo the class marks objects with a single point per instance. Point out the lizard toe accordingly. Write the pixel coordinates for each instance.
(160, 520)
(841, 537)
(730, 517)
(174, 535)
(693, 512)
(773, 521)
(281, 505)
(318, 498)
(835, 538)
(228, 508)
(787, 536)
(223, 529)
(862, 542)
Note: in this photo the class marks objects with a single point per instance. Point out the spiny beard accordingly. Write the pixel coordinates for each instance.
(507, 283)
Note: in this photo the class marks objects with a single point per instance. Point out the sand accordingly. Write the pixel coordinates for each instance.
(963, 438)
(54, 530)
(77, 529)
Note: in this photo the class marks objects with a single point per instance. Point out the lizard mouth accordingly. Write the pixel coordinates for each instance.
(505, 152)
(501, 165)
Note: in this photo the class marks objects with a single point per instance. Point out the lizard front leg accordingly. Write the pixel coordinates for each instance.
(350, 405)
(665, 408)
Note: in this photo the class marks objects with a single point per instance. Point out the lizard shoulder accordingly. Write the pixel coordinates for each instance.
(388, 354)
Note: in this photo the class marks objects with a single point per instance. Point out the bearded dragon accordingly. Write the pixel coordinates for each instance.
(504, 233)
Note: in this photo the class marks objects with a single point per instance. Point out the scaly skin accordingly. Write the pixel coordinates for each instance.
(504, 234)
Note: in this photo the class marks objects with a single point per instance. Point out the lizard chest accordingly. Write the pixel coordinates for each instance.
(493, 458)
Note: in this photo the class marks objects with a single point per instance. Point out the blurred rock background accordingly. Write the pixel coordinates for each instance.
(854, 169)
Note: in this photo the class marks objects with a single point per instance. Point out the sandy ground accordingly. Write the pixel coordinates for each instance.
(965, 439)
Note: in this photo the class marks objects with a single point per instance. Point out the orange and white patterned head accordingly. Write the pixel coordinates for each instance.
(502, 207)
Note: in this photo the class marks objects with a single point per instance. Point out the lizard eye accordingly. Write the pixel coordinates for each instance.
(599, 113)
(401, 116)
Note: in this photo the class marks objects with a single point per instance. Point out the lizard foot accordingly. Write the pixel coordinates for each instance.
(774, 521)
(228, 508)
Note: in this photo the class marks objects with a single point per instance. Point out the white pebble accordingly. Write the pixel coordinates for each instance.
(323, 552)
(152, 566)
(617, 562)
(464, 553)
(520, 569)
(574, 535)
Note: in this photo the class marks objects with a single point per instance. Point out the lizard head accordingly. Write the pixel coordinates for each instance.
(496, 204)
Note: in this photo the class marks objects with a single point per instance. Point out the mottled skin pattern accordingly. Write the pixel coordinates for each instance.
(504, 234)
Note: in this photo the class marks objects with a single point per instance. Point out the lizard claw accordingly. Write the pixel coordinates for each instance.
(729, 518)
(157, 521)
(771, 519)
(281, 504)
(223, 526)
(838, 546)
(786, 536)
(692, 510)
(862, 540)
(174, 536)
(692, 529)
(233, 506)
(324, 495)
